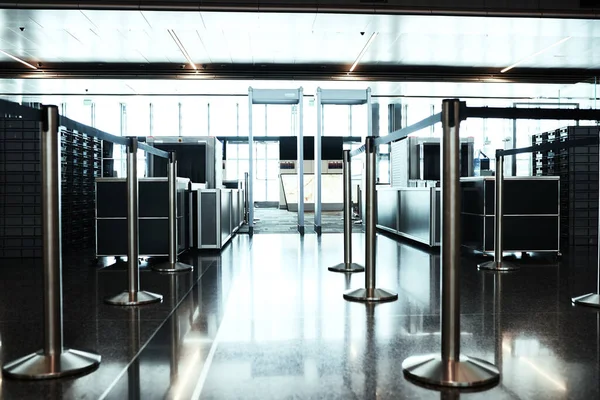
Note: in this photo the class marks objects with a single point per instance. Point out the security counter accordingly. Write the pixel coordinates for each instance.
(111, 216)
(531, 213)
(217, 215)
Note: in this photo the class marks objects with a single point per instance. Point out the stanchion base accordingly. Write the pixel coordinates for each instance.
(590, 300)
(467, 373)
(343, 267)
(40, 366)
(133, 299)
(301, 229)
(500, 266)
(172, 268)
(370, 295)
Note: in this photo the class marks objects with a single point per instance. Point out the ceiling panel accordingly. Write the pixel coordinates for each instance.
(116, 19)
(173, 20)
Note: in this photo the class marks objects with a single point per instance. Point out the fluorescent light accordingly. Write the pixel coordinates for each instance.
(180, 45)
(18, 59)
(363, 51)
(536, 54)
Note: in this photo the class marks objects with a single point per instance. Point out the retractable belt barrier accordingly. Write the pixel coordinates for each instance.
(55, 360)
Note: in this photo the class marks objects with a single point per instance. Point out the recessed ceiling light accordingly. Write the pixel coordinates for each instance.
(363, 51)
(180, 45)
(18, 59)
(535, 54)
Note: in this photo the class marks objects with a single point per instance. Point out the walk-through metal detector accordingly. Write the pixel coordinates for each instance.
(336, 97)
(276, 96)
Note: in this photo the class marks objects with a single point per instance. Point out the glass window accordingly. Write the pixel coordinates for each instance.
(258, 120)
(310, 117)
(223, 116)
(108, 117)
(194, 117)
(279, 120)
(165, 118)
(335, 120)
(359, 121)
(138, 119)
(80, 112)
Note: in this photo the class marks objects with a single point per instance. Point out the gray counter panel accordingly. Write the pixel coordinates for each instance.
(414, 219)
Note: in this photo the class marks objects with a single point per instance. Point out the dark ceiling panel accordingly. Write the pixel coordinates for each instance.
(335, 72)
(534, 8)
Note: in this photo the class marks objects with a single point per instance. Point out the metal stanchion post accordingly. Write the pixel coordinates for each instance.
(370, 293)
(347, 265)
(450, 368)
(591, 299)
(498, 264)
(172, 265)
(246, 183)
(133, 296)
(54, 360)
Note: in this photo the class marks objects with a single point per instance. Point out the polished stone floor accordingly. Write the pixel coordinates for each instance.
(266, 320)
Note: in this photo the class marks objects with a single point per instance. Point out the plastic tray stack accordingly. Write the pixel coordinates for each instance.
(577, 168)
(81, 158)
(21, 189)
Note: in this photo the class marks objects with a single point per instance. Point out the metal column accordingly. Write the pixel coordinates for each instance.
(347, 265)
(250, 167)
(370, 292)
(172, 265)
(450, 369)
(133, 296)
(53, 361)
(498, 264)
(318, 163)
(301, 163)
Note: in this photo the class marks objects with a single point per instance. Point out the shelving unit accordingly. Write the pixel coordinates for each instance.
(577, 168)
(21, 188)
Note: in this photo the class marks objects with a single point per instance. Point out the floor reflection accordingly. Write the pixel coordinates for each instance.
(265, 319)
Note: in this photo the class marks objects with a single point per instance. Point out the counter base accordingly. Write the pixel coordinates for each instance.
(590, 300)
(343, 267)
(134, 299)
(468, 372)
(370, 295)
(169, 268)
(500, 266)
(38, 365)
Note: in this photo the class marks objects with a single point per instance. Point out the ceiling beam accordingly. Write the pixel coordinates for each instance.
(497, 8)
(333, 72)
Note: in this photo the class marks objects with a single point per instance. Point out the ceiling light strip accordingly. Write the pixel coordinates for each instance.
(535, 54)
(363, 51)
(180, 45)
(18, 59)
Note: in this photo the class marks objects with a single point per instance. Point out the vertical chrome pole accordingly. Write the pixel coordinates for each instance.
(53, 361)
(246, 184)
(592, 299)
(133, 296)
(498, 264)
(450, 368)
(318, 163)
(347, 265)
(370, 292)
(172, 265)
(300, 168)
(250, 166)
